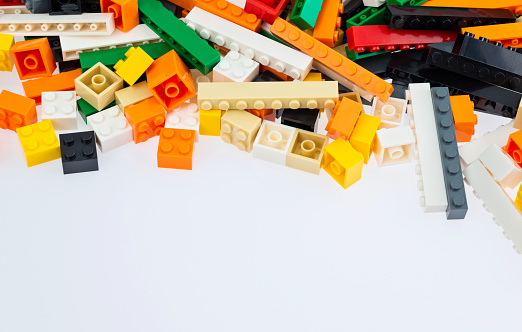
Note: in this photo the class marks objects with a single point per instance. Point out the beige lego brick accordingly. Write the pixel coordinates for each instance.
(306, 151)
(240, 128)
(132, 95)
(518, 119)
(98, 86)
(198, 77)
(260, 95)
(391, 113)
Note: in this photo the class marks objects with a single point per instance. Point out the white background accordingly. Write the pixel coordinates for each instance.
(239, 244)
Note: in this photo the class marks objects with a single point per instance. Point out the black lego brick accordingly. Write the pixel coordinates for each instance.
(65, 7)
(449, 153)
(375, 64)
(352, 8)
(267, 76)
(399, 89)
(37, 6)
(92, 6)
(71, 65)
(302, 118)
(78, 152)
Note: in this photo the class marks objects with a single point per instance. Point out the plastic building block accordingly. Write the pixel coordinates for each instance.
(253, 45)
(369, 16)
(85, 109)
(433, 18)
(65, 66)
(463, 117)
(355, 96)
(198, 77)
(268, 76)
(496, 201)
(343, 163)
(328, 21)
(273, 142)
(132, 95)
(60, 108)
(39, 143)
(11, 2)
(301, 118)
(37, 6)
(146, 119)
(59, 25)
(73, 46)
(91, 6)
(59, 82)
(449, 152)
(182, 39)
(78, 152)
(306, 151)
(343, 119)
(501, 166)
(394, 146)
(376, 37)
(513, 147)
(363, 135)
(236, 67)
(518, 200)
(267, 114)
(351, 9)
(405, 2)
(304, 13)
(260, 95)
(134, 66)
(509, 34)
(65, 7)
(14, 10)
(239, 128)
(391, 112)
(98, 85)
(111, 128)
(265, 12)
(210, 122)
(33, 58)
(333, 64)
(6, 42)
(175, 148)
(518, 119)
(513, 5)
(16, 111)
(54, 42)
(429, 166)
(125, 13)
(170, 81)
(186, 116)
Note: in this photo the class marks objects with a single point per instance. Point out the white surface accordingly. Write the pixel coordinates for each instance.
(241, 245)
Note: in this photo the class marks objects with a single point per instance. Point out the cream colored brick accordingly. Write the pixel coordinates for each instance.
(98, 86)
(306, 151)
(240, 128)
(132, 95)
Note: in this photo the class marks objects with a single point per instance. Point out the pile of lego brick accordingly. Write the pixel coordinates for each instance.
(261, 76)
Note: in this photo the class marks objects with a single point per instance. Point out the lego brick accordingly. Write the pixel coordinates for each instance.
(355, 96)
(39, 143)
(175, 148)
(368, 16)
(273, 142)
(509, 34)
(78, 152)
(132, 95)
(449, 153)
(376, 37)
(363, 135)
(306, 151)
(268, 76)
(98, 85)
(14, 10)
(374, 3)
(210, 122)
(6, 42)
(463, 117)
(65, 66)
(391, 112)
(254, 46)
(85, 109)
(125, 13)
(16, 111)
(111, 128)
(235, 67)
(302, 118)
(59, 82)
(170, 81)
(343, 163)
(405, 2)
(146, 119)
(512, 5)
(394, 145)
(429, 167)
(304, 13)
(135, 65)
(91, 6)
(198, 77)
(182, 39)
(259, 95)
(65, 7)
(33, 58)
(501, 166)
(185, 116)
(332, 64)
(496, 201)
(351, 9)
(328, 21)
(37, 6)
(60, 108)
(73, 46)
(433, 18)
(264, 11)
(239, 128)
(514, 145)
(343, 119)
(87, 24)
(518, 119)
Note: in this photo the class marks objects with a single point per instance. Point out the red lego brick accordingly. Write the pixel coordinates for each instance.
(146, 119)
(11, 3)
(264, 11)
(175, 148)
(33, 58)
(513, 147)
(16, 111)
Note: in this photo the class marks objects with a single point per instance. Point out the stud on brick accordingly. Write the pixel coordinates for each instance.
(78, 152)
(60, 108)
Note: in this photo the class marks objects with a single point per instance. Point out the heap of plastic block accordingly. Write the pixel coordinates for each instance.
(396, 79)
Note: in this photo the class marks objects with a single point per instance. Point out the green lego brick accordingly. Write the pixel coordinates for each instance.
(304, 13)
(368, 16)
(358, 56)
(85, 109)
(405, 2)
(187, 44)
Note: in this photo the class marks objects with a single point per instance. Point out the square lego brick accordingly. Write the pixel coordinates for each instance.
(236, 67)
(39, 143)
(85, 109)
(513, 147)
(391, 112)
(186, 116)
(132, 95)
(363, 134)
(239, 128)
(16, 111)
(394, 145)
(146, 119)
(98, 85)
(343, 119)
(65, 7)
(343, 163)
(273, 142)
(302, 118)
(111, 128)
(6, 42)
(134, 65)
(60, 108)
(33, 58)
(175, 148)
(210, 122)
(125, 13)
(306, 151)
(78, 152)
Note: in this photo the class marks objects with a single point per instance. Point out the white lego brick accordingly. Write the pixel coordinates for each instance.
(235, 67)
(501, 166)
(391, 112)
(60, 108)
(14, 10)
(273, 142)
(394, 146)
(253, 45)
(186, 116)
(496, 201)
(373, 3)
(140, 35)
(86, 24)
(471, 151)
(111, 128)
(429, 166)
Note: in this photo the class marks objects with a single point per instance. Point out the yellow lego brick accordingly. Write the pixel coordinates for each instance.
(363, 134)
(39, 143)
(6, 42)
(315, 77)
(209, 122)
(343, 162)
(306, 151)
(518, 199)
(134, 66)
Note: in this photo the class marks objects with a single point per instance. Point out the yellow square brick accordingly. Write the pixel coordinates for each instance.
(134, 66)
(39, 143)
(363, 134)
(343, 162)
(6, 42)
(210, 122)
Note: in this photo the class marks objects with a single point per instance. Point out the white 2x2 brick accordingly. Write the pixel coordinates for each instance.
(186, 116)
(111, 128)
(60, 108)
(235, 67)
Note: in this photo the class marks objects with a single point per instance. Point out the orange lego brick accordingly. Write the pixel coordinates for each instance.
(125, 13)
(509, 34)
(325, 29)
(515, 6)
(514, 147)
(146, 119)
(33, 58)
(59, 82)
(16, 111)
(170, 81)
(175, 148)
(464, 117)
(343, 119)
(333, 64)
